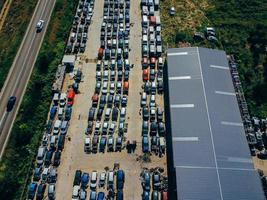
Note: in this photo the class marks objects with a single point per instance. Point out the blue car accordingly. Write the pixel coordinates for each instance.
(101, 196)
(145, 145)
(32, 190)
(120, 179)
(119, 195)
(93, 195)
(53, 112)
(145, 195)
(85, 180)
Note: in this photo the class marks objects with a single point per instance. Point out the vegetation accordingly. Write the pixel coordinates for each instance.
(17, 164)
(12, 33)
(241, 28)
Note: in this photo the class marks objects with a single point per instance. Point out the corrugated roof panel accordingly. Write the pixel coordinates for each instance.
(210, 152)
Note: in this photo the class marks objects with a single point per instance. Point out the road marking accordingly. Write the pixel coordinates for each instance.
(208, 116)
(178, 54)
(219, 67)
(225, 93)
(185, 139)
(221, 168)
(182, 105)
(179, 78)
(231, 123)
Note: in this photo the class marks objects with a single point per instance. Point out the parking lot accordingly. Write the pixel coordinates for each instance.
(73, 156)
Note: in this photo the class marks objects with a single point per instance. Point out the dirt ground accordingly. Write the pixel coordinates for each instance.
(73, 156)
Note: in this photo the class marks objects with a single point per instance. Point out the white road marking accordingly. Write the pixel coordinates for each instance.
(182, 105)
(185, 139)
(225, 93)
(219, 67)
(178, 54)
(179, 78)
(231, 123)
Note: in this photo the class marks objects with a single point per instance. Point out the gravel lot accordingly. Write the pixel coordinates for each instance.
(73, 156)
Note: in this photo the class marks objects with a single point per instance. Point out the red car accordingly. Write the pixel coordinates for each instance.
(145, 75)
(71, 95)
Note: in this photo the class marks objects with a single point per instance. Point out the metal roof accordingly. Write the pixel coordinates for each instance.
(210, 153)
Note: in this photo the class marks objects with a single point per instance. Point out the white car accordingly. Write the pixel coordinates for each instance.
(40, 25)
(93, 180)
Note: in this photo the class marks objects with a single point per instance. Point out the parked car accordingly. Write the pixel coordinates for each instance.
(120, 179)
(32, 190)
(146, 180)
(77, 177)
(93, 195)
(51, 191)
(84, 180)
(145, 144)
(93, 182)
(40, 192)
(102, 179)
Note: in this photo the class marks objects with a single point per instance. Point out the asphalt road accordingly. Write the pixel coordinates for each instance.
(20, 72)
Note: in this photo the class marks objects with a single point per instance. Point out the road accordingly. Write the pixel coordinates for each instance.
(20, 72)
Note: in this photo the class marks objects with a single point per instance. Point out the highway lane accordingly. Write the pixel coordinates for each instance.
(21, 69)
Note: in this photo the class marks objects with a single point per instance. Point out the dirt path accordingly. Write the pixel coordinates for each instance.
(4, 12)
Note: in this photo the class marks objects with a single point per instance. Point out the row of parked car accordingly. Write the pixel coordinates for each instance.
(49, 152)
(153, 126)
(157, 185)
(111, 180)
(79, 32)
(107, 116)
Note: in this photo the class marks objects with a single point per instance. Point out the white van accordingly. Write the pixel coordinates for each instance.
(57, 127)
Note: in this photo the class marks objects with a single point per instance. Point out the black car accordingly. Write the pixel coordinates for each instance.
(110, 101)
(37, 173)
(99, 114)
(102, 101)
(91, 114)
(10, 104)
(40, 191)
(48, 157)
(61, 142)
(56, 160)
(153, 128)
(114, 114)
(145, 113)
(77, 177)
(156, 180)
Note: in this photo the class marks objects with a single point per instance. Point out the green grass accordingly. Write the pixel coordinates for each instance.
(12, 33)
(241, 29)
(29, 124)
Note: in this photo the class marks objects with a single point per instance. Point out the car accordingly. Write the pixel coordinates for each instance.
(145, 195)
(40, 192)
(102, 179)
(145, 144)
(48, 157)
(52, 178)
(37, 173)
(83, 194)
(32, 190)
(145, 75)
(114, 114)
(93, 182)
(156, 180)
(159, 114)
(77, 177)
(161, 129)
(101, 196)
(154, 144)
(56, 159)
(152, 114)
(93, 195)
(118, 144)
(153, 128)
(145, 127)
(119, 195)
(145, 113)
(10, 104)
(110, 144)
(155, 195)
(152, 102)
(87, 145)
(152, 75)
(120, 179)
(124, 101)
(51, 191)
(143, 99)
(146, 180)
(110, 180)
(39, 25)
(84, 180)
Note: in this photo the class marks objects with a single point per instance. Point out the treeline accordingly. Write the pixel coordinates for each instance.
(242, 29)
(12, 33)
(18, 160)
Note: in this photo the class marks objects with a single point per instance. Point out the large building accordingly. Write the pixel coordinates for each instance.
(209, 158)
